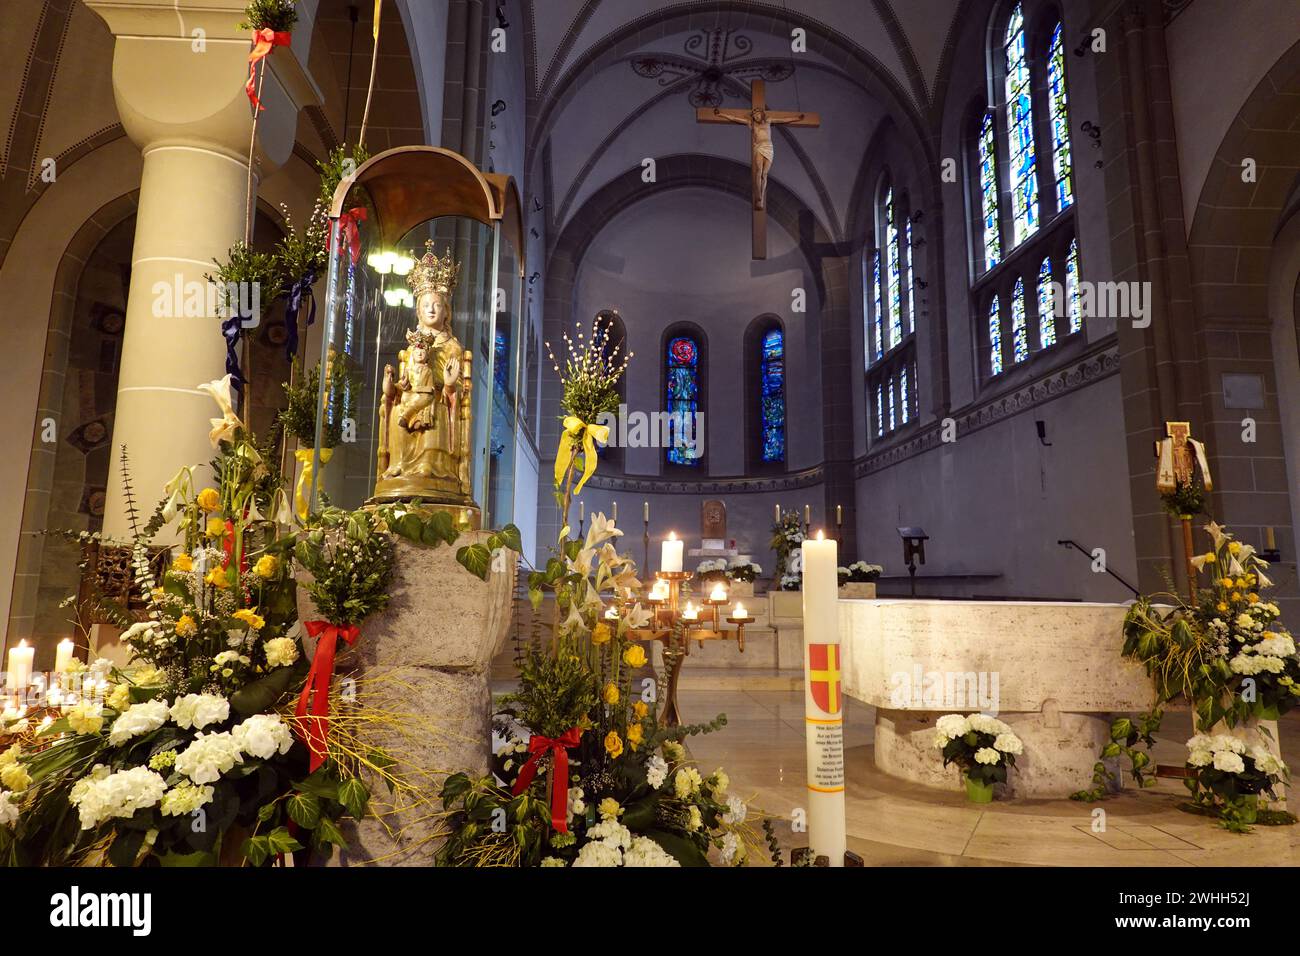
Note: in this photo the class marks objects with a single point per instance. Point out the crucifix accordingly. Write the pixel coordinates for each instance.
(760, 121)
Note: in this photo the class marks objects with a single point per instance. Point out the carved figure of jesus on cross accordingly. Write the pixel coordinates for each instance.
(760, 120)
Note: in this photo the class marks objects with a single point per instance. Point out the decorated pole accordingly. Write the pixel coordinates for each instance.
(823, 700)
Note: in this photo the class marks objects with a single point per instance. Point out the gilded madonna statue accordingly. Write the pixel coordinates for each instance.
(424, 413)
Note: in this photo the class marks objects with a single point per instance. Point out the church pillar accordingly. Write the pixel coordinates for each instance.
(1159, 367)
(179, 89)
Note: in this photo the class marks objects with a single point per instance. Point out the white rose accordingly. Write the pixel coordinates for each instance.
(199, 710)
(263, 735)
(136, 720)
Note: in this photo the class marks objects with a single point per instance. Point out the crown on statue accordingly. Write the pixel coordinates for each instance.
(433, 273)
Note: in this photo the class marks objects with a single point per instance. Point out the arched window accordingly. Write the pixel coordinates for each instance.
(1046, 309)
(1020, 131)
(771, 374)
(1059, 111)
(891, 300)
(988, 171)
(1021, 158)
(908, 280)
(995, 338)
(894, 278)
(876, 349)
(683, 393)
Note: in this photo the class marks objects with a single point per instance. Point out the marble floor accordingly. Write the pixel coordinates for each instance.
(891, 822)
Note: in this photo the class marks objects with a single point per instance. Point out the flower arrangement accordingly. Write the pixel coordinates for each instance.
(1229, 776)
(859, 572)
(982, 746)
(713, 570)
(747, 571)
(787, 536)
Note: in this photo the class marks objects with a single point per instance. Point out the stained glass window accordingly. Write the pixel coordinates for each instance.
(1072, 287)
(911, 296)
(880, 410)
(1019, 333)
(1020, 131)
(892, 421)
(875, 315)
(1060, 116)
(1046, 316)
(501, 362)
(995, 339)
(989, 194)
(906, 394)
(895, 289)
(772, 395)
(683, 364)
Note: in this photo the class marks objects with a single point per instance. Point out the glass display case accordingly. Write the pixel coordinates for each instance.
(419, 352)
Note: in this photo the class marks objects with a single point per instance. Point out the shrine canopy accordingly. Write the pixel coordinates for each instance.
(409, 185)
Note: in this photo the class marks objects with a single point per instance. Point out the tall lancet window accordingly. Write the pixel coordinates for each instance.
(1059, 110)
(1046, 318)
(907, 280)
(875, 313)
(771, 374)
(1020, 131)
(995, 338)
(895, 290)
(1073, 306)
(1019, 333)
(682, 364)
(988, 170)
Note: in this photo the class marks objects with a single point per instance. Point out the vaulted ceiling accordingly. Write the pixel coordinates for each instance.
(614, 82)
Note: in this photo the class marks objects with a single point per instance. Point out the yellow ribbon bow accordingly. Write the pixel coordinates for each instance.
(573, 428)
(304, 455)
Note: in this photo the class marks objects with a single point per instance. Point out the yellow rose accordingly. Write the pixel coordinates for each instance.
(635, 735)
(250, 617)
(182, 563)
(640, 709)
(268, 566)
(15, 776)
(217, 578)
(613, 744)
(209, 499)
(600, 634)
(634, 655)
(216, 528)
(185, 626)
(610, 694)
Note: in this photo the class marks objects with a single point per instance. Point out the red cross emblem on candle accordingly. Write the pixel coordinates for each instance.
(824, 676)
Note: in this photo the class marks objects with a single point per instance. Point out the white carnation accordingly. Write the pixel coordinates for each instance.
(8, 809)
(136, 720)
(730, 845)
(656, 771)
(736, 811)
(208, 757)
(263, 735)
(199, 710)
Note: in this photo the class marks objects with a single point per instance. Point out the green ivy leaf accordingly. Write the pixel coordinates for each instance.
(354, 796)
(476, 559)
(257, 849)
(304, 810)
(444, 527)
(280, 841)
(508, 537)
(327, 832)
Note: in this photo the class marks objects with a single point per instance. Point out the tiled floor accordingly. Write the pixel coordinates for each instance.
(893, 822)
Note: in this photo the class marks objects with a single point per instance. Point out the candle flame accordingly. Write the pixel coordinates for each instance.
(821, 535)
(672, 535)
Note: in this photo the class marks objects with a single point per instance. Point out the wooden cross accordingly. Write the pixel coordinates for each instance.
(760, 120)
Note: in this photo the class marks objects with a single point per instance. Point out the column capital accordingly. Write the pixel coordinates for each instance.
(178, 78)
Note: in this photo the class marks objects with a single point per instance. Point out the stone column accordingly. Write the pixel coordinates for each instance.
(178, 80)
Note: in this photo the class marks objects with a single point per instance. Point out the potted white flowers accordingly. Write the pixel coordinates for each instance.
(1229, 775)
(743, 572)
(984, 747)
(858, 580)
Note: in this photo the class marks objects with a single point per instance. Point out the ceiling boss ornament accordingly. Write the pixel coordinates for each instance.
(712, 57)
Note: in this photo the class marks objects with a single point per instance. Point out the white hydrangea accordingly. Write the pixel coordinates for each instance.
(736, 811)
(103, 795)
(208, 757)
(987, 725)
(1229, 762)
(1228, 742)
(599, 853)
(953, 725)
(184, 798)
(1266, 762)
(553, 861)
(612, 832)
(987, 755)
(263, 735)
(656, 771)
(199, 710)
(1278, 645)
(1200, 758)
(136, 720)
(8, 809)
(1008, 743)
(646, 852)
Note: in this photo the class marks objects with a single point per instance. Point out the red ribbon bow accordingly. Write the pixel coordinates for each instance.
(348, 230)
(315, 719)
(264, 41)
(537, 747)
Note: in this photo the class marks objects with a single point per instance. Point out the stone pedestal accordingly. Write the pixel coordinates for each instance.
(427, 657)
(858, 591)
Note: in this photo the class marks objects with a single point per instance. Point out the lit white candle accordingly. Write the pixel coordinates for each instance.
(582, 510)
(839, 514)
(614, 517)
(670, 556)
(20, 665)
(690, 614)
(807, 515)
(823, 699)
(776, 513)
(719, 593)
(645, 507)
(63, 654)
(739, 612)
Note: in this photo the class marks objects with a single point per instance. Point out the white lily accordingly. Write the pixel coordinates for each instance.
(636, 616)
(223, 428)
(601, 530)
(1215, 531)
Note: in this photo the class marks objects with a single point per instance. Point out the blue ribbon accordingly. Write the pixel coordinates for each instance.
(295, 293)
(230, 329)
